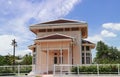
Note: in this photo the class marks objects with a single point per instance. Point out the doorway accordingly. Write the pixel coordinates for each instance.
(57, 58)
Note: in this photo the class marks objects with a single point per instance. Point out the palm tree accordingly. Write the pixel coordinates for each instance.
(14, 44)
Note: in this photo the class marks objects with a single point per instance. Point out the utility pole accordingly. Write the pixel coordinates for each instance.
(14, 44)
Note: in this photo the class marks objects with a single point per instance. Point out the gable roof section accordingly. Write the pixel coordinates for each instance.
(55, 36)
(61, 21)
(85, 42)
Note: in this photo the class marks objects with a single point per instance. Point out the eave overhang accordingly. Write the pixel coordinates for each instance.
(31, 47)
(54, 38)
(83, 27)
(88, 43)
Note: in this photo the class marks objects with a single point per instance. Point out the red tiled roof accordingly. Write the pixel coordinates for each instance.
(60, 21)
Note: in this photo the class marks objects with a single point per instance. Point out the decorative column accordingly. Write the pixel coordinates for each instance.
(80, 46)
(68, 60)
(90, 57)
(40, 59)
(68, 56)
(61, 55)
(47, 60)
(85, 55)
(61, 61)
(38, 66)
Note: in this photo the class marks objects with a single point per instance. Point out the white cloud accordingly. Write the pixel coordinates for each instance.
(23, 52)
(118, 48)
(101, 36)
(5, 43)
(55, 9)
(21, 11)
(9, 2)
(7, 48)
(16, 15)
(95, 38)
(106, 33)
(113, 26)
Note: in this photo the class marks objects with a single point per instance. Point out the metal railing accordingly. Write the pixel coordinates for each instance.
(64, 69)
(17, 70)
(86, 69)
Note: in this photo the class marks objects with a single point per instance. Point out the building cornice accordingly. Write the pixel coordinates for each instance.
(55, 40)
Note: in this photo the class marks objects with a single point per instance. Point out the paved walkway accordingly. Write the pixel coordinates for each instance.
(87, 76)
(69, 76)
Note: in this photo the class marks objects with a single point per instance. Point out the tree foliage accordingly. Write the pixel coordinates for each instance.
(27, 59)
(8, 60)
(106, 54)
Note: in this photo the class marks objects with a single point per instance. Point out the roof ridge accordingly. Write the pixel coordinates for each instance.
(62, 20)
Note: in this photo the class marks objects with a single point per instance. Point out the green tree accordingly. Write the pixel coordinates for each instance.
(2, 60)
(6, 60)
(106, 54)
(27, 60)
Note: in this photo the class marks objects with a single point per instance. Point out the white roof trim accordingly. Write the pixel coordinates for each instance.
(56, 34)
(53, 40)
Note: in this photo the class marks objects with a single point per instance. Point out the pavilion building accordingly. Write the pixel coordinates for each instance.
(60, 42)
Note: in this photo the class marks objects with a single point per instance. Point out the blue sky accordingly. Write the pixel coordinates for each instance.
(102, 16)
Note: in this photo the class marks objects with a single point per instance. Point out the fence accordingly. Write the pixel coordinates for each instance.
(17, 70)
(86, 69)
(64, 69)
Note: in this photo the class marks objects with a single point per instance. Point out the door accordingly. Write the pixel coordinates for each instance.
(57, 60)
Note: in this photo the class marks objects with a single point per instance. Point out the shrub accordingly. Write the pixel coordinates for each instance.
(92, 69)
(74, 70)
(6, 72)
(25, 70)
(108, 69)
